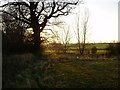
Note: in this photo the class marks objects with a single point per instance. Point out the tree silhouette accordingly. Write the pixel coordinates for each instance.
(37, 14)
(13, 34)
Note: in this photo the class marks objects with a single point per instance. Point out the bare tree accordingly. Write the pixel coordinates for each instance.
(51, 32)
(66, 38)
(60, 34)
(82, 34)
(37, 14)
(85, 29)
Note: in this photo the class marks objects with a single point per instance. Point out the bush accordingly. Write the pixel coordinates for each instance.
(14, 64)
(118, 48)
(26, 71)
(114, 48)
(57, 47)
(94, 50)
(111, 49)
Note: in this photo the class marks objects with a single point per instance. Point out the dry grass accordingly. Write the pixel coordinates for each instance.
(69, 70)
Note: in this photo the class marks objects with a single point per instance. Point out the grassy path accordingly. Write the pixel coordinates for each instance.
(87, 74)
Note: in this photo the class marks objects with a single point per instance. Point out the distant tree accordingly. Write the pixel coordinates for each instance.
(61, 36)
(36, 14)
(66, 38)
(85, 29)
(82, 34)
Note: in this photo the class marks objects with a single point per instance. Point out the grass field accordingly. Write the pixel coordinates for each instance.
(89, 46)
(58, 69)
(87, 74)
(73, 48)
(62, 70)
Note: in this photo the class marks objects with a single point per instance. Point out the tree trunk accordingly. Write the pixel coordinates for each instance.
(37, 40)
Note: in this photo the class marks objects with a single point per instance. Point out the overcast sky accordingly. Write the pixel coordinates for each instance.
(104, 15)
(103, 20)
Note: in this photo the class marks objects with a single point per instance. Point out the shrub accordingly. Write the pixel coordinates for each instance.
(114, 48)
(94, 50)
(118, 48)
(111, 49)
(14, 64)
(57, 47)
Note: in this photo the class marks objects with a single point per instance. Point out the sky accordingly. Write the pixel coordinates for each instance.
(103, 20)
(104, 15)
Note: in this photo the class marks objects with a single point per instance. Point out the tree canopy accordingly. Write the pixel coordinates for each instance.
(37, 13)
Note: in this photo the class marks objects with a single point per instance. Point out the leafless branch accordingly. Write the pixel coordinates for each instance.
(16, 17)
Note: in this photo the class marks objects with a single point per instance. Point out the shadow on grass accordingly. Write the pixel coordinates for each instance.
(58, 71)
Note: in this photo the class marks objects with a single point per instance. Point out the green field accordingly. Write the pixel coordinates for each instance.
(73, 48)
(90, 45)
